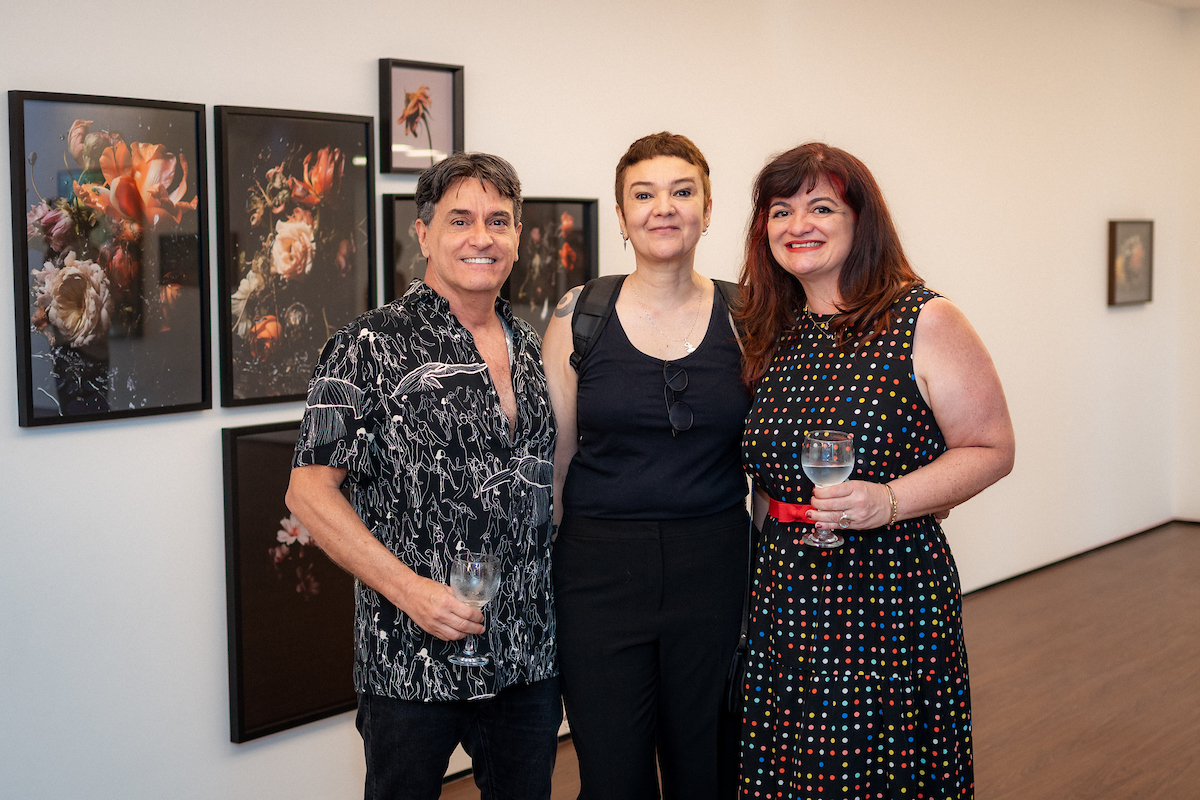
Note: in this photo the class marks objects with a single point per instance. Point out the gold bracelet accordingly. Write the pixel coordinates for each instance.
(895, 508)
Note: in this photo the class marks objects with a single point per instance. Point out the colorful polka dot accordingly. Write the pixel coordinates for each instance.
(857, 685)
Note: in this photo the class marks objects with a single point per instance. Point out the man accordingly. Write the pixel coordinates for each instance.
(434, 411)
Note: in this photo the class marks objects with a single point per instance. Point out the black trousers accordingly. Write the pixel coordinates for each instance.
(648, 618)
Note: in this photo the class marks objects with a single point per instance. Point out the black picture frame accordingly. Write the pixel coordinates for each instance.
(290, 609)
(1130, 261)
(110, 242)
(415, 95)
(402, 257)
(558, 250)
(296, 235)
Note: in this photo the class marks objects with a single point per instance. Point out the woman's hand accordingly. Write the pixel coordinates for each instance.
(851, 505)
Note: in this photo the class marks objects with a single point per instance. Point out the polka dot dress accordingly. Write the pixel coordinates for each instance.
(857, 680)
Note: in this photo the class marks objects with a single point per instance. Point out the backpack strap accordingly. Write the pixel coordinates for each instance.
(592, 310)
(732, 293)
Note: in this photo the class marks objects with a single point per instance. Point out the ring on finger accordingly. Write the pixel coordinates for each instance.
(844, 521)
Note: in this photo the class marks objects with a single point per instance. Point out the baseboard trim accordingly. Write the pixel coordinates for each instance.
(1121, 540)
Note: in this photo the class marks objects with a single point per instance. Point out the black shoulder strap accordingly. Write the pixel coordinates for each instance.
(592, 310)
(732, 293)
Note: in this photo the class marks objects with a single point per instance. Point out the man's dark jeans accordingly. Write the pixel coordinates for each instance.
(512, 739)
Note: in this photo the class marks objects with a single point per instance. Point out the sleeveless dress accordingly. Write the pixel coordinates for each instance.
(856, 685)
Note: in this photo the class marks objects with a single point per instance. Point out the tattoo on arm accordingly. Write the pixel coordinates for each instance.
(567, 304)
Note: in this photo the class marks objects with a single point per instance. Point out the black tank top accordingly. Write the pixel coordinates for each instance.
(629, 466)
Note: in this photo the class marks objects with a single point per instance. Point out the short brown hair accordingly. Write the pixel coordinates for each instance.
(437, 180)
(662, 144)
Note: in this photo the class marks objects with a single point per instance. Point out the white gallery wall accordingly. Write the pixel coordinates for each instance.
(1005, 135)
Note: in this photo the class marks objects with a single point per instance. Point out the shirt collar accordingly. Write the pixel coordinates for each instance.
(419, 292)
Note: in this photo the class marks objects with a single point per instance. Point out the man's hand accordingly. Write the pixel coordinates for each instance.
(315, 498)
(437, 611)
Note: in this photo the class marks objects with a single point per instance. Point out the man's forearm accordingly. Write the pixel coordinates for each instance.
(315, 497)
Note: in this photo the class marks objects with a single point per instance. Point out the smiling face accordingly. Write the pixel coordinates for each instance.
(471, 242)
(663, 210)
(811, 232)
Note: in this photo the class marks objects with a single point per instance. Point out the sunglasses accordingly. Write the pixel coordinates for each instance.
(677, 411)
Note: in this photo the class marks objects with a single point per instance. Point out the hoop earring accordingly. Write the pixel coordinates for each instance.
(704, 232)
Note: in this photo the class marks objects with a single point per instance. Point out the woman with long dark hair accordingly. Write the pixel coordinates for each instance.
(857, 679)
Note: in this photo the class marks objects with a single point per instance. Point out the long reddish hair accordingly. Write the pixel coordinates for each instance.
(875, 274)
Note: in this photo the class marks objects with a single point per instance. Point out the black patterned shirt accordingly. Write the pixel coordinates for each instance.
(403, 401)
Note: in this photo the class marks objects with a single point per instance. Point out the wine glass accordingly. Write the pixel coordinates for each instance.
(474, 579)
(827, 458)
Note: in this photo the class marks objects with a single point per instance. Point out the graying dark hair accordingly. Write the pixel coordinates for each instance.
(437, 180)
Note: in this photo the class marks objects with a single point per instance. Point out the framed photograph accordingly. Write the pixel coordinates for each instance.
(296, 233)
(109, 252)
(401, 251)
(558, 250)
(1130, 261)
(420, 114)
(290, 609)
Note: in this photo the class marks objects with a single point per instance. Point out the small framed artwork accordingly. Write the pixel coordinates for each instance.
(1130, 261)
(109, 248)
(401, 250)
(296, 232)
(558, 250)
(420, 114)
(290, 609)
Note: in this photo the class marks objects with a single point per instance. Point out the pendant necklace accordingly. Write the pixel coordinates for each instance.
(691, 348)
(821, 329)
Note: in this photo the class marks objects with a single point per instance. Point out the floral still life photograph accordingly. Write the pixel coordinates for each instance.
(291, 609)
(557, 252)
(109, 244)
(401, 249)
(420, 113)
(297, 263)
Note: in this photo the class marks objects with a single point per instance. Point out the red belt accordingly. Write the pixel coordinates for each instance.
(789, 512)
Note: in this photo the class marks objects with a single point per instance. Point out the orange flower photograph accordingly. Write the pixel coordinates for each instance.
(557, 252)
(296, 201)
(421, 114)
(111, 257)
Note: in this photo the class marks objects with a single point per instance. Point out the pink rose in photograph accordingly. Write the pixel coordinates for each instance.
(76, 299)
(122, 268)
(35, 222)
(292, 251)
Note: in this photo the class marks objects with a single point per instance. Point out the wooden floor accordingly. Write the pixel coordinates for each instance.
(1085, 678)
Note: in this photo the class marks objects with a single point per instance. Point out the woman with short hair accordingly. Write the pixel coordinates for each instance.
(651, 557)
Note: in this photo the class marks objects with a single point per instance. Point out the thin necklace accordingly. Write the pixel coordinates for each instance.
(822, 329)
(691, 348)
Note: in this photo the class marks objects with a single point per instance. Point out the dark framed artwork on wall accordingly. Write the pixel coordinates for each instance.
(290, 609)
(109, 250)
(558, 250)
(296, 234)
(420, 114)
(1130, 261)
(401, 251)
